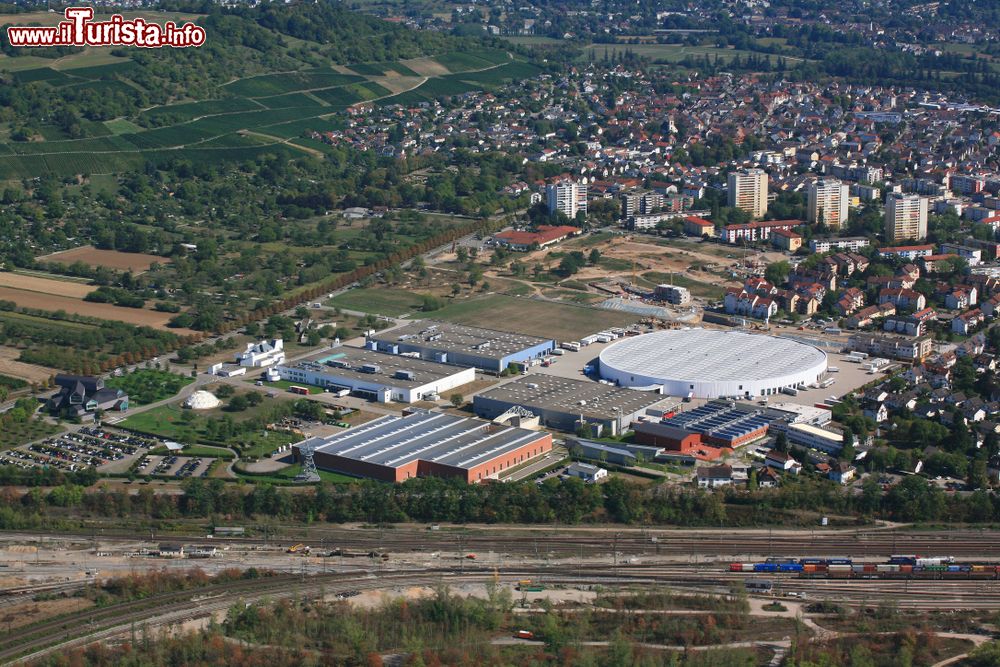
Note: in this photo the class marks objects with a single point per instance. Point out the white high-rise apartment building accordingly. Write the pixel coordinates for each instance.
(905, 218)
(828, 202)
(567, 196)
(748, 191)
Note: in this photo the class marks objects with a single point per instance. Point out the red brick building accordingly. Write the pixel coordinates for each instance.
(426, 444)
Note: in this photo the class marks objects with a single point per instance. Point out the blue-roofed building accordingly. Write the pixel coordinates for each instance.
(461, 345)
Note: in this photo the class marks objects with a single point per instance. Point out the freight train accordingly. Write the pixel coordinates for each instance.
(897, 567)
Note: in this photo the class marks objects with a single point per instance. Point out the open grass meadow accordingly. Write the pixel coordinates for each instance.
(244, 119)
(147, 385)
(378, 301)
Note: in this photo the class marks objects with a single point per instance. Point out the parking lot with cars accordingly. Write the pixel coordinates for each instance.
(93, 447)
(174, 466)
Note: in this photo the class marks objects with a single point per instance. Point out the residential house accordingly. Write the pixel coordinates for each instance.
(910, 325)
(967, 321)
(767, 478)
(991, 306)
(783, 462)
(851, 300)
(843, 473)
(711, 477)
(866, 316)
(903, 298)
(961, 297)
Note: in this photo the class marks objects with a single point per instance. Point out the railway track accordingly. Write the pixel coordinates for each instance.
(96, 624)
(565, 542)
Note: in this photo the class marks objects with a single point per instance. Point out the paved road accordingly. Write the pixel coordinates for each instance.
(535, 467)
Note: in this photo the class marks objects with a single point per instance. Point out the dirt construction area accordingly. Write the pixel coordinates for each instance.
(135, 262)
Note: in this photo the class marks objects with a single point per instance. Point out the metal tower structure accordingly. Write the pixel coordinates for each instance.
(309, 471)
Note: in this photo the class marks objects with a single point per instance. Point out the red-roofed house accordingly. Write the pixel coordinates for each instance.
(786, 239)
(546, 235)
(695, 226)
(903, 298)
(932, 263)
(967, 321)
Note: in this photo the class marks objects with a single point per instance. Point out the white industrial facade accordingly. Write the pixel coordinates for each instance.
(380, 377)
(711, 364)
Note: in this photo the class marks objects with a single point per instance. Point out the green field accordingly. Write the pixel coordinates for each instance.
(146, 385)
(167, 421)
(530, 316)
(379, 301)
(258, 445)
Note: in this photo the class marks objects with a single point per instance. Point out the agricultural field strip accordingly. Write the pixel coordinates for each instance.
(296, 113)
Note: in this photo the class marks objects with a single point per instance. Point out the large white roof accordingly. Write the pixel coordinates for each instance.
(708, 356)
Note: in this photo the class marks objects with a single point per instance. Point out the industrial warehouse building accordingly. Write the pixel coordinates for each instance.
(376, 376)
(424, 444)
(561, 403)
(712, 364)
(461, 345)
(706, 432)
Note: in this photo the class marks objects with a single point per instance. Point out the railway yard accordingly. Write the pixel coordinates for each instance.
(567, 566)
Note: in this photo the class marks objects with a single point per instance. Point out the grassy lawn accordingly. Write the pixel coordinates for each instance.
(148, 385)
(175, 423)
(285, 384)
(168, 421)
(391, 302)
(201, 451)
(13, 435)
(288, 474)
(589, 240)
(259, 444)
(528, 316)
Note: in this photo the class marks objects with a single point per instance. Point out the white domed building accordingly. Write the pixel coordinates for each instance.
(202, 400)
(704, 363)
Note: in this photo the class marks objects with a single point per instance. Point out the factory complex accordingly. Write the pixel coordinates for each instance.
(645, 384)
(423, 443)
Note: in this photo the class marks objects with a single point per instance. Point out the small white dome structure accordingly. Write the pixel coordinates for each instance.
(202, 400)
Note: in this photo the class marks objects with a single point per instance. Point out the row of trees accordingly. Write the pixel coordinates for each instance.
(569, 502)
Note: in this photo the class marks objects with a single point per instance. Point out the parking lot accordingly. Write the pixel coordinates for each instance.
(174, 466)
(89, 447)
